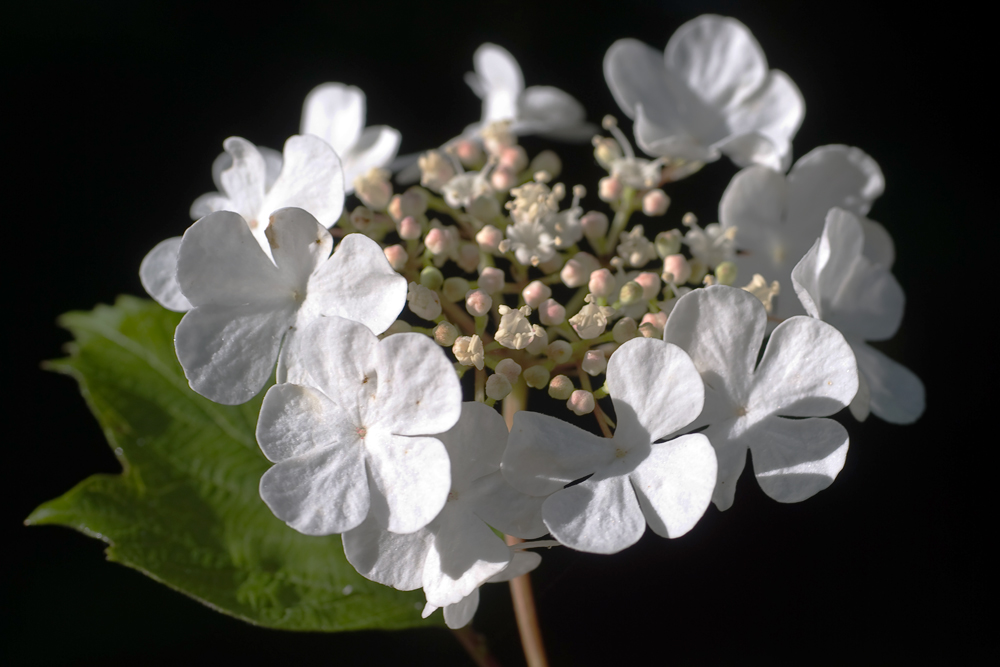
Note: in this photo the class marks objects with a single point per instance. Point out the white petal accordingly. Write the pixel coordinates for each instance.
(295, 420)
(460, 614)
(319, 493)
(228, 352)
(387, 558)
(463, 554)
(861, 403)
(501, 79)
(731, 456)
(335, 113)
(831, 176)
(505, 508)
(897, 394)
(599, 515)
(754, 203)
(718, 58)
(544, 454)
(775, 111)
(158, 274)
(475, 444)
(807, 370)
(655, 387)
(552, 112)
(755, 148)
(412, 474)
(272, 167)
(795, 459)
(210, 202)
(721, 328)
(661, 137)
(338, 357)
(357, 283)
(635, 73)
(311, 178)
(522, 563)
(299, 245)
(675, 484)
(244, 181)
(879, 247)
(376, 147)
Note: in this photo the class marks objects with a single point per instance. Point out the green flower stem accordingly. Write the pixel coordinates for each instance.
(622, 215)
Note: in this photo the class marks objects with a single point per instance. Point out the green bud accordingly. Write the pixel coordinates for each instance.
(431, 278)
(631, 293)
(725, 273)
(668, 243)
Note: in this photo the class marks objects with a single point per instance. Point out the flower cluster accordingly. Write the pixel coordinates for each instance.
(690, 347)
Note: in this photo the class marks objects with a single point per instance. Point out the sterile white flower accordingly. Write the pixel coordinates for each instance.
(807, 370)
(778, 218)
(335, 113)
(634, 480)
(710, 93)
(838, 284)
(244, 303)
(310, 178)
(352, 437)
(456, 551)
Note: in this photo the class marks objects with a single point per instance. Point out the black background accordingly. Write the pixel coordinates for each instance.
(114, 114)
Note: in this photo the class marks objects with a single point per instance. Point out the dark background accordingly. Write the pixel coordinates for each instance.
(114, 114)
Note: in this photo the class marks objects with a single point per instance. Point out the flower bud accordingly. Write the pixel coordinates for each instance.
(491, 280)
(484, 208)
(602, 283)
(455, 288)
(537, 377)
(631, 293)
(650, 283)
(468, 256)
(489, 238)
(409, 228)
(503, 179)
(678, 268)
(445, 334)
(551, 265)
(431, 277)
(535, 293)
(625, 330)
(468, 350)
(659, 320)
(362, 218)
(470, 153)
(606, 151)
(595, 225)
(560, 388)
(411, 203)
(497, 387)
(655, 202)
(438, 241)
(552, 313)
(668, 243)
(594, 362)
(559, 351)
(509, 368)
(423, 302)
(578, 269)
(374, 188)
(539, 341)
(609, 189)
(399, 326)
(397, 257)
(435, 170)
(478, 302)
(725, 273)
(546, 161)
(514, 158)
(698, 271)
(581, 402)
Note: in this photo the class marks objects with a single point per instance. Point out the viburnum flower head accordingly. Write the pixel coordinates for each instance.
(777, 217)
(245, 303)
(808, 370)
(310, 178)
(335, 113)
(456, 552)
(711, 92)
(634, 479)
(837, 283)
(352, 437)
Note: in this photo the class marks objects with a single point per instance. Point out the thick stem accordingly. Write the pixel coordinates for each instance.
(520, 587)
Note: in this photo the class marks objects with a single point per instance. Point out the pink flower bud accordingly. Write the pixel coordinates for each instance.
(509, 368)
(658, 320)
(469, 152)
(548, 162)
(595, 224)
(503, 179)
(594, 362)
(551, 265)
(560, 388)
(650, 283)
(578, 269)
(602, 283)
(581, 402)
(409, 229)
(397, 257)
(535, 293)
(655, 202)
(559, 351)
(609, 189)
(438, 241)
(478, 302)
(489, 238)
(551, 313)
(678, 268)
(514, 158)
(491, 280)
(445, 334)
(625, 330)
(468, 256)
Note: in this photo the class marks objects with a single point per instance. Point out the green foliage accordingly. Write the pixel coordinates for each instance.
(185, 510)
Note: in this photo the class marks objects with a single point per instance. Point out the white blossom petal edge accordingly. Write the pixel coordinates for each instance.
(634, 480)
(808, 369)
(710, 93)
(356, 442)
(245, 303)
(837, 283)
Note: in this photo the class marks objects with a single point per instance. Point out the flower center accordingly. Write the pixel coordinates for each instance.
(362, 432)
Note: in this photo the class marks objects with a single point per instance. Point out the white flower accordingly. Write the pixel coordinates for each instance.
(468, 350)
(636, 249)
(807, 370)
(351, 439)
(423, 302)
(711, 92)
(514, 331)
(592, 319)
(462, 189)
(456, 552)
(839, 284)
(335, 113)
(245, 303)
(541, 110)
(310, 178)
(778, 218)
(634, 480)
(713, 245)
(531, 241)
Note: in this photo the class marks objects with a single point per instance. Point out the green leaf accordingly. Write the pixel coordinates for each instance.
(185, 510)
